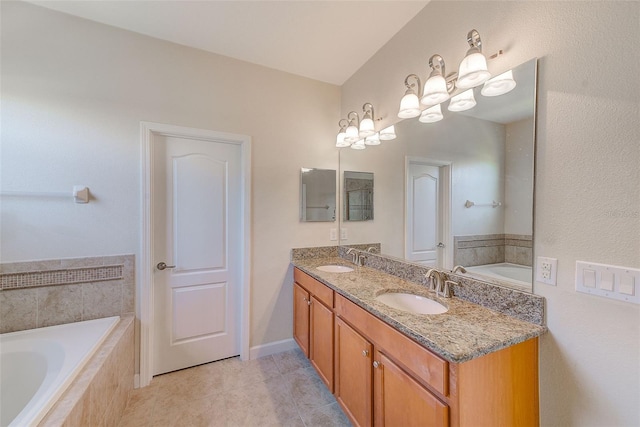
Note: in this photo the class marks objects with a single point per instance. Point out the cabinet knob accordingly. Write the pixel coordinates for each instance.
(365, 353)
(376, 364)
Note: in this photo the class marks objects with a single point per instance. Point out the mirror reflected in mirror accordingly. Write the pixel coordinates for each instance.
(458, 191)
(358, 196)
(317, 195)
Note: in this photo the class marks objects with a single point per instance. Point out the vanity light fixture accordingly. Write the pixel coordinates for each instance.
(352, 132)
(473, 68)
(366, 124)
(388, 133)
(431, 114)
(340, 142)
(436, 88)
(372, 139)
(358, 145)
(410, 104)
(499, 85)
(462, 101)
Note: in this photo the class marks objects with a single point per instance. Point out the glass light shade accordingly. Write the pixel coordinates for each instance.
(473, 70)
(435, 91)
(409, 105)
(351, 135)
(366, 127)
(358, 145)
(499, 85)
(372, 140)
(340, 142)
(463, 101)
(388, 133)
(431, 114)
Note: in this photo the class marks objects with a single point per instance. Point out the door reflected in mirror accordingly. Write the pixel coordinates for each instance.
(358, 196)
(317, 195)
(458, 191)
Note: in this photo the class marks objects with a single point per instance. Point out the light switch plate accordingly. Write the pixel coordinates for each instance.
(333, 234)
(343, 234)
(547, 270)
(611, 281)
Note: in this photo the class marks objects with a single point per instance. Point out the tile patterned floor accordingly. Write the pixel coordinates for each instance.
(278, 390)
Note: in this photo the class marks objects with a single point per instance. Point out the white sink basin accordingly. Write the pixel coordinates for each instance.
(335, 268)
(411, 303)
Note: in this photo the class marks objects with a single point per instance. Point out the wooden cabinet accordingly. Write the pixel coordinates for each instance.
(313, 323)
(301, 302)
(414, 387)
(400, 400)
(353, 386)
(381, 377)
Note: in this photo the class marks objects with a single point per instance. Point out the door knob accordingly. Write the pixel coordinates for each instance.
(161, 266)
(441, 245)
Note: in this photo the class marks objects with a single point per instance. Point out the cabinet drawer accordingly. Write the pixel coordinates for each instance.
(321, 291)
(425, 366)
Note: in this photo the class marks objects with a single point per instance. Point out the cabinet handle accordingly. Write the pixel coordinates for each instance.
(376, 364)
(365, 353)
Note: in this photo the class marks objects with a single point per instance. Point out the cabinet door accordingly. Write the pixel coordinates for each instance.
(321, 341)
(301, 317)
(353, 374)
(402, 401)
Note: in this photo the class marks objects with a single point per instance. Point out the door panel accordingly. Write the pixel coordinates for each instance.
(402, 401)
(423, 213)
(200, 207)
(196, 209)
(321, 350)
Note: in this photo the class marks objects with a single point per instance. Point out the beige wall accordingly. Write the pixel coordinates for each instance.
(73, 95)
(587, 204)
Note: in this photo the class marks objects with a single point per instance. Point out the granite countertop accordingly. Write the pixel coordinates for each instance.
(464, 332)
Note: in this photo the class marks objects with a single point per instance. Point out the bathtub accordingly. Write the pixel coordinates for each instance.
(519, 276)
(37, 365)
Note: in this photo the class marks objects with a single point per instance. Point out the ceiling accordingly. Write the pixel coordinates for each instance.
(322, 40)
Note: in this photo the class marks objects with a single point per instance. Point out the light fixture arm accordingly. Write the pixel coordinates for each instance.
(412, 85)
(367, 111)
(343, 127)
(474, 40)
(436, 63)
(350, 119)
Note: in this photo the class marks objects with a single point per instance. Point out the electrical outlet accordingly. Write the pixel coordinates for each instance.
(333, 234)
(343, 234)
(546, 270)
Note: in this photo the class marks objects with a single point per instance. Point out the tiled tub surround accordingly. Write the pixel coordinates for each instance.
(98, 396)
(464, 332)
(36, 294)
(492, 249)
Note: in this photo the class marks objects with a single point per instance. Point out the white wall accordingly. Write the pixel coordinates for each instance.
(587, 204)
(73, 95)
(518, 175)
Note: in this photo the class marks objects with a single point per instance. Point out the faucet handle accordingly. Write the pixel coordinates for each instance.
(448, 292)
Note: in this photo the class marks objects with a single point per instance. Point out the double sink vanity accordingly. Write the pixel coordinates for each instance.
(387, 363)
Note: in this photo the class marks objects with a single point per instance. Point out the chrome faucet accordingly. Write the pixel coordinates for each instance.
(440, 285)
(355, 256)
(371, 249)
(459, 268)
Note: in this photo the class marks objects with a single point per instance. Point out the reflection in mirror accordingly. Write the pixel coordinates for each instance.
(458, 191)
(358, 196)
(317, 195)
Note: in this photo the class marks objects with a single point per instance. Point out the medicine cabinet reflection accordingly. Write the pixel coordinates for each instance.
(317, 195)
(358, 196)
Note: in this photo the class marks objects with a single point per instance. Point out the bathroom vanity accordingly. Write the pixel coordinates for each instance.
(467, 367)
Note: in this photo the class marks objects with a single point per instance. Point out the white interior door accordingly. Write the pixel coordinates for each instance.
(196, 224)
(424, 240)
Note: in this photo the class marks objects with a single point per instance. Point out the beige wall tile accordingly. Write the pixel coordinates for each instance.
(18, 310)
(59, 304)
(101, 299)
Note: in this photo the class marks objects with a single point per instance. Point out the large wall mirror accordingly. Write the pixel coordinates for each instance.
(458, 191)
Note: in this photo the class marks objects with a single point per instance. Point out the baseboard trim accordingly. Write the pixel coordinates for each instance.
(272, 348)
